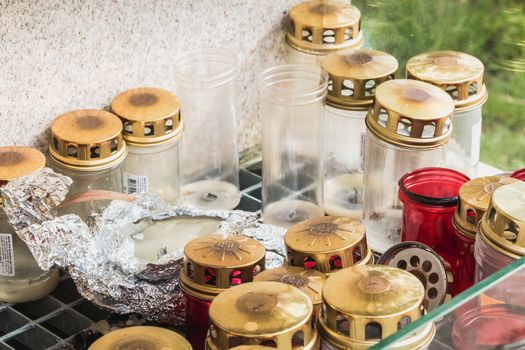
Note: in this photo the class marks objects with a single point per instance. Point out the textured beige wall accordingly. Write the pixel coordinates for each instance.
(60, 55)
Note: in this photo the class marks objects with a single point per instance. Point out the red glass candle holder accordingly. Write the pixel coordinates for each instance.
(490, 327)
(430, 197)
(197, 320)
(519, 174)
(465, 267)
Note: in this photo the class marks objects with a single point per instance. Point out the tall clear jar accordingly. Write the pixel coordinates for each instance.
(319, 27)
(407, 129)
(87, 146)
(152, 131)
(461, 76)
(209, 157)
(292, 109)
(353, 78)
(21, 279)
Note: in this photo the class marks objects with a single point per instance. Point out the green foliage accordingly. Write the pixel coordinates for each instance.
(492, 30)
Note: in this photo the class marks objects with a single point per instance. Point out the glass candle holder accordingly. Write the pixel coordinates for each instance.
(21, 279)
(213, 264)
(327, 244)
(262, 313)
(353, 77)
(407, 129)
(474, 198)
(319, 27)
(519, 174)
(141, 337)
(87, 146)
(429, 197)
(365, 304)
(152, 131)
(461, 76)
(292, 108)
(206, 87)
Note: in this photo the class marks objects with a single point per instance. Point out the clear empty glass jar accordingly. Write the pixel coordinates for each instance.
(206, 87)
(353, 78)
(292, 109)
(87, 146)
(407, 128)
(319, 27)
(152, 131)
(365, 304)
(21, 279)
(461, 76)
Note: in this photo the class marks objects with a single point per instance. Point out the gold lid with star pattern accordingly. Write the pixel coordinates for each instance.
(259, 313)
(327, 244)
(217, 262)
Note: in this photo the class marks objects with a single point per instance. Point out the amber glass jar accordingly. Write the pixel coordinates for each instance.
(87, 146)
(152, 131)
(407, 129)
(461, 76)
(21, 279)
(212, 264)
(352, 80)
(365, 304)
(318, 27)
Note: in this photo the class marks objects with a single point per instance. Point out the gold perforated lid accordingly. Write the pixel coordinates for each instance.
(141, 337)
(87, 139)
(260, 308)
(309, 281)
(504, 222)
(216, 262)
(327, 243)
(252, 347)
(150, 115)
(17, 161)
(354, 76)
(458, 73)
(474, 200)
(411, 113)
(323, 26)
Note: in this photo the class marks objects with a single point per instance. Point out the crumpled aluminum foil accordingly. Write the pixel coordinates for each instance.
(100, 256)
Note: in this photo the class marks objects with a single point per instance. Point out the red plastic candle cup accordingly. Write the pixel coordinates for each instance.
(490, 327)
(519, 174)
(197, 320)
(430, 197)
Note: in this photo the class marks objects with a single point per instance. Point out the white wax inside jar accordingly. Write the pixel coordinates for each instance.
(211, 194)
(343, 195)
(170, 236)
(286, 213)
(24, 290)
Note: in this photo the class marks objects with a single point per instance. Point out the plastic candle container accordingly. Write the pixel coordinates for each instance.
(319, 27)
(152, 131)
(407, 129)
(21, 279)
(87, 146)
(209, 157)
(292, 109)
(353, 78)
(461, 76)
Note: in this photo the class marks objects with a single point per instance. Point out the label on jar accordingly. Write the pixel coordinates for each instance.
(362, 155)
(474, 148)
(134, 184)
(7, 255)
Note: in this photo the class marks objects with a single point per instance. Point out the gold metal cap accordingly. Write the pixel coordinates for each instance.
(216, 262)
(364, 304)
(323, 26)
(260, 313)
(327, 244)
(17, 161)
(458, 73)
(354, 76)
(474, 200)
(504, 222)
(309, 281)
(411, 113)
(150, 115)
(141, 337)
(252, 347)
(87, 139)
